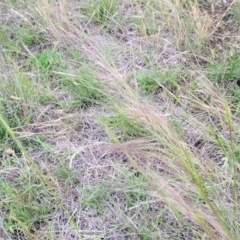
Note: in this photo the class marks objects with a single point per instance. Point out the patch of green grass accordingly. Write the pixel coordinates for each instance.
(25, 203)
(176, 124)
(46, 61)
(95, 196)
(26, 35)
(225, 70)
(145, 234)
(147, 21)
(100, 10)
(83, 87)
(237, 154)
(12, 37)
(17, 98)
(6, 41)
(149, 83)
(135, 185)
(9, 160)
(233, 22)
(228, 73)
(124, 126)
(235, 99)
(65, 174)
(77, 55)
(129, 190)
(11, 2)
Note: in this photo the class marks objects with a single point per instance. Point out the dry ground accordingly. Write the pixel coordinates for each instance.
(119, 119)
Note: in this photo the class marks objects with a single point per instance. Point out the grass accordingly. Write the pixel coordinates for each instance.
(100, 10)
(119, 120)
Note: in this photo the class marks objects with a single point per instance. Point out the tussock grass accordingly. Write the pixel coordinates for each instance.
(119, 120)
